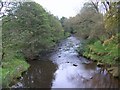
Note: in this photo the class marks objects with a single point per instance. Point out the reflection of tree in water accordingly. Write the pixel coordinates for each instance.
(102, 81)
(39, 75)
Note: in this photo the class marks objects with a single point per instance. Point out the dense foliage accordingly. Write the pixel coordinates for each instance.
(31, 30)
(28, 31)
(99, 32)
(106, 50)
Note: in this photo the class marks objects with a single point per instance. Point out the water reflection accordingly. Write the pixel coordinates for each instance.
(78, 72)
(39, 75)
(66, 70)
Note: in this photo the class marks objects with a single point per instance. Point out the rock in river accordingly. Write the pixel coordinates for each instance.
(59, 56)
(75, 65)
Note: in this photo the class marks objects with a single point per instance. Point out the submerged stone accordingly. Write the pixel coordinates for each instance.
(59, 56)
(75, 65)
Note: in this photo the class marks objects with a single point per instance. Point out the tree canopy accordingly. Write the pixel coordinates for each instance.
(31, 29)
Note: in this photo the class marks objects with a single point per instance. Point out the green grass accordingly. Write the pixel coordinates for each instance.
(11, 70)
(106, 52)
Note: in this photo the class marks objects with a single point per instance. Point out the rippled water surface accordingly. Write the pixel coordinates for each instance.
(65, 69)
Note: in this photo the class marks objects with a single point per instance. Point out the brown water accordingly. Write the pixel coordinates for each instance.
(65, 69)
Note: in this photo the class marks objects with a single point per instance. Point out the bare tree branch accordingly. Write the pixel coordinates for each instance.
(95, 5)
(1, 5)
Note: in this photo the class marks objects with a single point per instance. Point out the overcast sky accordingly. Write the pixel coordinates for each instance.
(66, 8)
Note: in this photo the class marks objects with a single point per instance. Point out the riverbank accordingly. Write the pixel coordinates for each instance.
(66, 69)
(26, 38)
(104, 53)
(12, 70)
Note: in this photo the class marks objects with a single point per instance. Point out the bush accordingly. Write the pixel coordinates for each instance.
(106, 52)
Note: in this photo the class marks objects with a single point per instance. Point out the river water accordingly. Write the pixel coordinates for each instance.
(66, 69)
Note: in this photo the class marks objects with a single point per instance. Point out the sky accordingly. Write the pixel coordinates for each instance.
(66, 8)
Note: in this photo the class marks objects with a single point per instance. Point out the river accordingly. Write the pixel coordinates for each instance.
(66, 69)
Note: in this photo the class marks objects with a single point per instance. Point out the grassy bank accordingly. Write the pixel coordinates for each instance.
(28, 31)
(12, 70)
(100, 32)
(105, 53)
